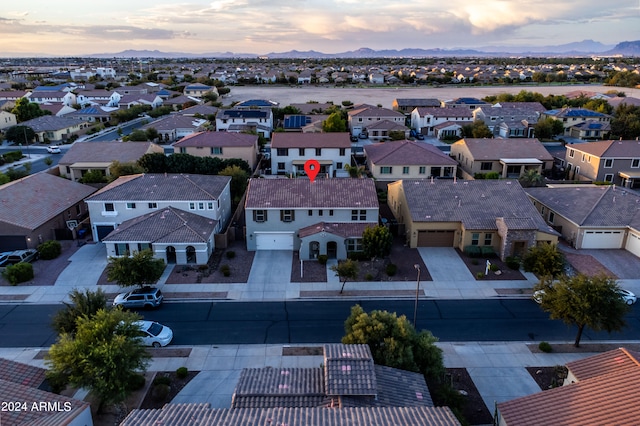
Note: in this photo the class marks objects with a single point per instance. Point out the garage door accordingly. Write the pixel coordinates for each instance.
(633, 244)
(435, 238)
(103, 231)
(274, 240)
(602, 239)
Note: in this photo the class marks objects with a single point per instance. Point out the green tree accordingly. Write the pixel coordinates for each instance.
(94, 176)
(17, 134)
(154, 163)
(544, 260)
(117, 169)
(354, 171)
(141, 269)
(625, 123)
(137, 136)
(377, 241)
(239, 181)
(530, 178)
(547, 128)
(584, 301)
(151, 133)
(478, 129)
(103, 356)
(83, 304)
(4, 178)
(396, 135)
(26, 110)
(345, 270)
(334, 123)
(394, 342)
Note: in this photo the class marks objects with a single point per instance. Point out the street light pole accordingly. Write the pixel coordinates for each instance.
(415, 308)
(26, 141)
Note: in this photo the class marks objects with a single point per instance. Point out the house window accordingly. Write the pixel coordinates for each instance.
(144, 246)
(131, 206)
(108, 207)
(259, 215)
(339, 166)
(635, 163)
(343, 151)
(475, 239)
(310, 212)
(210, 205)
(551, 217)
(386, 170)
(183, 150)
(487, 239)
(282, 151)
(486, 165)
(287, 215)
(405, 170)
(192, 206)
(330, 212)
(300, 151)
(320, 212)
(121, 249)
(201, 205)
(608, 177)
(354, 244)
(280, 166)
(216, 150)
(584, 156)
(358, 215)
(422, 170)
(318, 151)
(153, 205)
(578, 170)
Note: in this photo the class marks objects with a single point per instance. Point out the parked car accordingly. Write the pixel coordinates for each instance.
(53, 149)
(420, 136)
(354, 138)
(17, 256)
(145, 298)
(628, 297)
(154, 334)
(363, 135)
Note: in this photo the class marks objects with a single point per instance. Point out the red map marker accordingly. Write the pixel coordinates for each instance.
(312, 167)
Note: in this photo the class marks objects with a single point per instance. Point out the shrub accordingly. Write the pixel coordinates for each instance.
(12, 156)
(513, 262)
(322, 259)
(544, 260)
(160, 392)
(182, 372)
(18, 273)
(357, 256)
(162, 380)
(226, 270)
(545, 347)
(479, 275)
(391, 269)
(231, 254)
(473, 251)
(136, 382)
(49, 249)
(368, 277)
(493, 267)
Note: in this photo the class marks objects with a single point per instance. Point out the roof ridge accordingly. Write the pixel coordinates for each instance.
(595, 204)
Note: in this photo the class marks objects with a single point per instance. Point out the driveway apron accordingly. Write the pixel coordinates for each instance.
(270, 275)
(444, 264)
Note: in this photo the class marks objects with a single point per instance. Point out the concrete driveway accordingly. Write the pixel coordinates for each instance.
(444, 264)
(270, 275)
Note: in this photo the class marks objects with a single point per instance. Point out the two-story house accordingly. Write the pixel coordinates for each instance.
(198, 90)
(605, 161)
(391, 161)
(510, 158)
(406, 105)
(239, 120)
(7, 120)
(174, 215)
(508, 121)
(327, 216)
(223, 145)
(362, 116)
(572, 117)
(289, 152)
(46, 96)
(429, 120)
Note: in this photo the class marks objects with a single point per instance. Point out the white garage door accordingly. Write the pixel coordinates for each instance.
(274, 240)
(633, 244)
(602, 239)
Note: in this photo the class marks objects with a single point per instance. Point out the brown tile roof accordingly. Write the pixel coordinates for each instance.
(475, 203)
(173, 122)
(159, 187)
(301, 193)
(364, 110)
(23, 374)
(107, 152)
(310, 140)
(32, 201)
(407, 153)
(445, 112)
(167, 225)
(217, 139)
(349, 370)
(344, 230)
(609, 149)
(386, 125)
(614, 361)
(495, 149)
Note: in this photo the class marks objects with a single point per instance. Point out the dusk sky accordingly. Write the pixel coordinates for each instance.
(71, 27)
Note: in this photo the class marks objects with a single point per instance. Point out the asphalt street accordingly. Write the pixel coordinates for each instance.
(206, 323)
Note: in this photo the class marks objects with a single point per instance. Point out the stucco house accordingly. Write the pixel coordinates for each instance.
(54, 129)
(327, 216)
(590, 216)
(198, 90)
(7, 120)
(239, 120)
(83, 157)
(605, 161)
(362, 116)
(175, 126)
(223, 145)
(570, 117)
(37, 208)
(496, 214)
(425, 119)
(510, 158)
(510, 121)
(406, 105)
(289, 152)
(391, 161)
(157, 211)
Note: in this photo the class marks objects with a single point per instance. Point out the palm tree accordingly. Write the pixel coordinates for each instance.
(530, 178)
(354, 171)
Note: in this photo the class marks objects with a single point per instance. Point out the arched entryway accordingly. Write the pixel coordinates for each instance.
(171, 255)
(314, 249)
(332, 250)
(191, 254)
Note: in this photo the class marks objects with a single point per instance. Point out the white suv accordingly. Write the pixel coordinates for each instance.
(53, 149)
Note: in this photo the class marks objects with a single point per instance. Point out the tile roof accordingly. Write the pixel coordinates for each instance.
(407, 153)
(243, 113)
(445, 112)
(50, 123)
(495, 149)
(344, 230)
(33, 200)
(301, 193)
(574, 112)
(609, 149)
(591, 205)
(310, 140)
(364, 110)
(201, 414)
(620, 359)
(218, 139)
(107, 152)
(168, 225)
(349, 370)
(386, 125)
(199, 109)
(175, 121)
(418, 102)
(163, 187)
(257, 103)
(528, 106)
(475, 203)
(23, 374)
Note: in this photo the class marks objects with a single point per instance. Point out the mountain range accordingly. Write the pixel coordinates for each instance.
(582, 48)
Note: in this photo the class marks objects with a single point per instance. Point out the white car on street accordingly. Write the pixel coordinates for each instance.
(154, 334)
(628, 297)
(53, 149)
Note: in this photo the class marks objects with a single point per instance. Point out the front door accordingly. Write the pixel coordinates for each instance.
(519, 248)
(332, 250)
(171, 255)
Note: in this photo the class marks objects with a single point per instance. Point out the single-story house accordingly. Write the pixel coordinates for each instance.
(54, 129)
